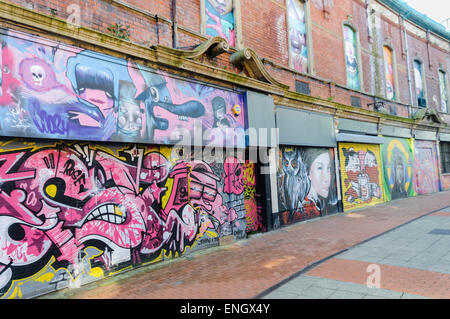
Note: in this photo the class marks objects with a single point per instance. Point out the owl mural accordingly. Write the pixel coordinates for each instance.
(295, 182)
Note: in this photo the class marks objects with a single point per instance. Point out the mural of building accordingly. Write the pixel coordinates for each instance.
(120, 149)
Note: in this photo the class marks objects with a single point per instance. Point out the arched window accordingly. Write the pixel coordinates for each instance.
(298, 36)
(419, 83)
(443, 90)
(389, 72)
(351, 57)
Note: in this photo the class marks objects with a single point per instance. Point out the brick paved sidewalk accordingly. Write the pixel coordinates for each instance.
(250, 267)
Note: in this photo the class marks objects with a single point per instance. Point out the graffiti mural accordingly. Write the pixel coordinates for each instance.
(297, 35)
(220, 20)
(398, 161)
(72, 213)
(426, 167)
(306, 183)
(361, 175)
(51, 90)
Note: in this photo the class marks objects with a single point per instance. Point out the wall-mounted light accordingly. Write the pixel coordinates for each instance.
(236, 109)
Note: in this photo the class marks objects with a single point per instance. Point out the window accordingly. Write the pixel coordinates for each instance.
(298, 47)
(418, 80)
(219, 17)
(351, 58)
(443, 90)
(389, 73)
(445, 156)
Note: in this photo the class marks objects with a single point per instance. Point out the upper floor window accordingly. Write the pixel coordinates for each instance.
(443, 90)
(351, 58)
(220, 20)
(418, 80)
(389, 72)
(298, 47)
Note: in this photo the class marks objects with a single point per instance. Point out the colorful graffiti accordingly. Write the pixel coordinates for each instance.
(361, 176)
(253, 208)
(351, 58)
(426, 167)
(220, 20)
(398, 161)
(297, 35)
(306, 183)
(71, 212)
(50, 90)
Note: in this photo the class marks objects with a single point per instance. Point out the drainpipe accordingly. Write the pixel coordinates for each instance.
(407, 67)
(174, 24)
(157, 28)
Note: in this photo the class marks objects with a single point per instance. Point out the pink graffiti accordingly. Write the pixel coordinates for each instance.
(63, 199)
(234, 183)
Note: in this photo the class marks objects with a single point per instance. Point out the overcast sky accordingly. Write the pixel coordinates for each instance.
(437, 10)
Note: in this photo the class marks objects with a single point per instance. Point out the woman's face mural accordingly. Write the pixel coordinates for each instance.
(320, 175)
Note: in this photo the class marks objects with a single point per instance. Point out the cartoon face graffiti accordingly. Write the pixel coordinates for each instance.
(361, 177)
(202, 186)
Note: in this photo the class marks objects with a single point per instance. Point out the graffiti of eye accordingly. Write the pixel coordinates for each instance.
(16, 232)
(155, 94)
(294, 163)
(51, 190)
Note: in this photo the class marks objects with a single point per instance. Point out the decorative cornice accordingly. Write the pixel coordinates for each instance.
(212, 47)
(428, 115)
(248, 59)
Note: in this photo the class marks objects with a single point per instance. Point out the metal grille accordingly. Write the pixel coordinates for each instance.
(302, 87)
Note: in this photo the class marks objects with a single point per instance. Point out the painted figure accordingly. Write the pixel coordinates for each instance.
(399, 175)
(321, 197)
(220, 20)
(297, 36)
